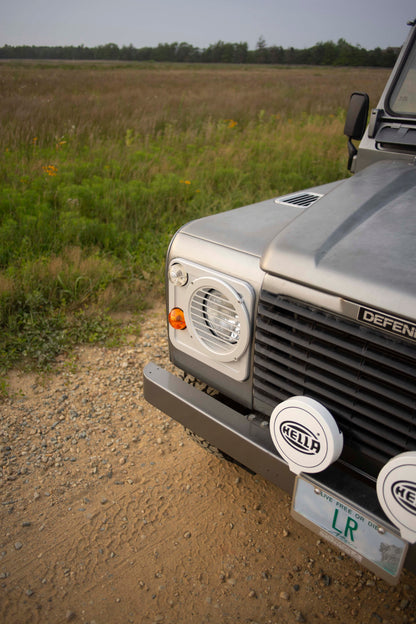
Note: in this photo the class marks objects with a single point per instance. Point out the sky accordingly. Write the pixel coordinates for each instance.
(286, 23)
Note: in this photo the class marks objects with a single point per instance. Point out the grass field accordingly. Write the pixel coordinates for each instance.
(101, 163)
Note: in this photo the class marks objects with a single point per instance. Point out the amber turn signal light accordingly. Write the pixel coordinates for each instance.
(177, 319)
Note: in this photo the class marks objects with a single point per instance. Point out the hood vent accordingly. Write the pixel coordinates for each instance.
(303, 200)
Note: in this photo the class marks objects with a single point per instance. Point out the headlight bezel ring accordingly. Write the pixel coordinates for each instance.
(218, 319)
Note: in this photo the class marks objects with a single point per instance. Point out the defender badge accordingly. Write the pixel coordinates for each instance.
(392, 324)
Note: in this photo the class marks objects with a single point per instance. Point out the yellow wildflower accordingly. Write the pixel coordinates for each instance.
(51, 170)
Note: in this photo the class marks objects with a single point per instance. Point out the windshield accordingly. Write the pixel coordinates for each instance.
(403, 97)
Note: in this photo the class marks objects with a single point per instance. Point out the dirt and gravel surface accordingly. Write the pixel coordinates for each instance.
(110, 514)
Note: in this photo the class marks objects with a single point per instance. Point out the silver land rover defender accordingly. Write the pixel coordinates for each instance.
(300, 313)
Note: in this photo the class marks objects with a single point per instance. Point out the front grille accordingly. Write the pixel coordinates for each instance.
(366, 379)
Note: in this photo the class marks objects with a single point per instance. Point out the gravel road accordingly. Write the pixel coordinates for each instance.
(111, 515)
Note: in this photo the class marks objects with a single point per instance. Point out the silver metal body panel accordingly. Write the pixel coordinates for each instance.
(369, 152)
(357, 242)
(232, 243)
(247, 229)
(231, 262)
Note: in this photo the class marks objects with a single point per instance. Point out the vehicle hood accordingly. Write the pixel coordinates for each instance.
(358, 241)
(251, 228)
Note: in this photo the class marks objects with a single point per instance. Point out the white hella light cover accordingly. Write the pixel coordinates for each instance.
(396, 491)
(306, 434)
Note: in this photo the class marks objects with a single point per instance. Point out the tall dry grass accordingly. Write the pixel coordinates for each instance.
(50, 101)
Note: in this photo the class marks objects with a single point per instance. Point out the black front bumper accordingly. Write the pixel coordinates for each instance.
(250, 443)
(225, 428)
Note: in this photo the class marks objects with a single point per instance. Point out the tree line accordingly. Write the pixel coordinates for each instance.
(322, 53)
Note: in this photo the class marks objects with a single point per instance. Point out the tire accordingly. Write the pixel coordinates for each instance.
(207, 446)
(200, 385)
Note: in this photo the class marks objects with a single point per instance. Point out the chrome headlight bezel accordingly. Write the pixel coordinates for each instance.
(218, 310)
(218, 319)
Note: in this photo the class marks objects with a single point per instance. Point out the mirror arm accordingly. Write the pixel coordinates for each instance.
(352, 151)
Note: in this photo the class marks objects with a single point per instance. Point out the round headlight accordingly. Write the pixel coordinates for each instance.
(221, 316)
(219, 319)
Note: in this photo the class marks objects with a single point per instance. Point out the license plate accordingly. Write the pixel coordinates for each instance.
(349, 529)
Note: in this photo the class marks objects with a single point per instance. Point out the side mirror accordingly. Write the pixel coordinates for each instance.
(357, 115)
(356, 122)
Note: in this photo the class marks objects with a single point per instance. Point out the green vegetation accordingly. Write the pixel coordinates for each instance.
(322, 53)
(100, 165)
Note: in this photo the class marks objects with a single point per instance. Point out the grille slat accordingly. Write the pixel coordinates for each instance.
(365, 391)
(397, 437)
(357, 331)
(365, 378)
(362, 438)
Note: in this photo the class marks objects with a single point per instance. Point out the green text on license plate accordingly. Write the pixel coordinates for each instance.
(349, 529)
